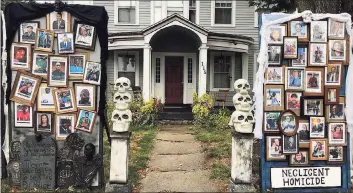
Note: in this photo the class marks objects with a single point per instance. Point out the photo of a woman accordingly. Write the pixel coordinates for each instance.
(44, 122)
(337, 50)
(299, 159)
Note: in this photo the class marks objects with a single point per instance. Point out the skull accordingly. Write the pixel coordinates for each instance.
(242, 86)
(242, 121)
(121, 120)
(122, 84)
(122, 100)
(242, 102)
(307, 16)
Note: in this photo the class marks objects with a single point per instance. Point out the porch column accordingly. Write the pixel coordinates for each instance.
(202, 69)
(146, 89)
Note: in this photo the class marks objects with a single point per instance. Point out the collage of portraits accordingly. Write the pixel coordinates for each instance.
(55, 90)
(304, 106)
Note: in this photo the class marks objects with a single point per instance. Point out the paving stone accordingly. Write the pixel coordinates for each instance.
(168, 136)
(176, 148)
(189, 162)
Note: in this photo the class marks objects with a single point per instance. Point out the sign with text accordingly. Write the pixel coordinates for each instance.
(306, 177)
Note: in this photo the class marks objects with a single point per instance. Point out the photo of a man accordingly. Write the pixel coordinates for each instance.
(20, 55)
(59, 23)
(336, 111)
(84, 122)
(333, 75)
(65, 126)
(274, 53)
(29, 35)
(295, 78)
(312, 83)
(290, 144)
(44, 39)
(58, 74)
(46, 97)
(298, 29)
(23, 113)
(84, 34)
(65, 43)
(40, 66)
(84, 99)
(76, 64)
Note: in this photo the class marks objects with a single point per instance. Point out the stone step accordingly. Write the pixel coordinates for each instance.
(174, 137)
(176, 116)
(168, 163)
(176, 148)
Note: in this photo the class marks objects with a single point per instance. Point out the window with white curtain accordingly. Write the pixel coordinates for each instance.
(127, 65)
(126, 12)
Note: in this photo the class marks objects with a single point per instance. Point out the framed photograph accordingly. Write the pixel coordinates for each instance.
(336, 29)
(86, 121)
(64, 100)
(85, 96)
(299, 29)
(66, 43)
(343, 86)
(92, 73)
(21, 56)
(335, 113)
(312, 106)
(337, 155)
(58, 71)
(23, 115)
(64, 125)
(299, 159)
(85, 35)
(270, 122)
(333, 74)
(45, 99)
(27, 32)
(44, 40)
(317, 127)
(290, 47)
(332, 94)
(40, 64)
(318, 149)
(337, 134)
(314, 82)
(318, 54)
(318, 31)
(294, 78)
(277, 33)
(25, 88)
(288, 123)
(303, 133)
(44, 122)
(274, 75)
(290, 144)
(274, 150)
(59, 22)
(293, 102)
(77, 63)
(274, 55)
(337, 50)
(302, 59)
(274, 97)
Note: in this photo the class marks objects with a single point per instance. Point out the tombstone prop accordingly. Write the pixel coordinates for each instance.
(72, 147)
(13, 169)
(15, 150)
(65, 171)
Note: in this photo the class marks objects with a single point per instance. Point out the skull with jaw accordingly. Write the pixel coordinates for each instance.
(122, 100)
(242, 102)
(242, 121)
(242, 86)
(122, 84)
(121, 120)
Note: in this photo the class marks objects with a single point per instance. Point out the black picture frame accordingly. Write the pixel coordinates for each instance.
(92, 47)
(303, 107)
(344, 155)
(20, 32)
(284, 138)
(50, 122)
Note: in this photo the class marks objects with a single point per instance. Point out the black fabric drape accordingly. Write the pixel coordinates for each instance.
(17, 13)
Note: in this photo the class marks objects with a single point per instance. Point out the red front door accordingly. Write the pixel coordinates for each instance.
(174, 79)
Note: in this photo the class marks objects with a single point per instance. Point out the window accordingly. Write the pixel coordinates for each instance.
(126, 64)
(221, 69)
(175, 7)
(192, 10)
(223, 12)
(189, 70)
(127, 13)
(158, 70)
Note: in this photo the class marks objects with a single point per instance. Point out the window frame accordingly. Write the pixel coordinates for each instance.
(116, 14)
(164, 10)
(213, 13)
(232, 69)
(137, 67)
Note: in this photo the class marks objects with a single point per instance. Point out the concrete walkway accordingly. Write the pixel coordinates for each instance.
(177, 163)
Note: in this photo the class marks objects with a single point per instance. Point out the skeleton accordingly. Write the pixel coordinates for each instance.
(122, 84)
(121, 120)
(242, 121)
(242, 86)
(307, 16)
(242, 102)
(122, 100)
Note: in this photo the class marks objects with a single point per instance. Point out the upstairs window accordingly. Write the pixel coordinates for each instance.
(223, 12)
(192, 11)
(126, 12)
(175, 7)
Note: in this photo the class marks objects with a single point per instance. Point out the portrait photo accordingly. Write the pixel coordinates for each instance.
(21, 55)
(337, 50)
(313, 107)
(66, 43)
(64, 125)
(299, 159)
(85, 121)
(274, 150)
(59, 22)
(58, 71)
(77, 63)
(85, 96)
(45, 98)
(85, 35)
(270, 122)
(277, 33)
(317, 54)
(290, 144)
(293, 102)
(25, 88)
(64, 100)
(44, 122)
(318, 31)
(332, 94)
(335, 113)
(290, 47)
(40, 64)
(314, 82)
(274, 97)
(274, 75)
(27, 32)
(299, 29)
(23, 115)
(92, 73)
(336, 28)
(336, 155)
(333, 74)
(337, 134)
(44, 40)
(288, 123)
(294, 78)
(317, 127)
(303, 133)
(318, 149)
(302, 59)
(274, 55)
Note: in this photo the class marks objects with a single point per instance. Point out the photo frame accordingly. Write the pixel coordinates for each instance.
(299, 159)
(337, 50)
(58, 71)
(335, 112)
(337, 134)
(86, 96)
(274, 97)
(317, 127)
(294, 79)
(293, 101)
(64, 100)
(77, 64)
(312, 106)
(44, 122)
(299, 29)
(302, 60)
(65, 42)
(274, 75)
(270, 122)
(333, 73)
(314, 82)
(40, 64)
(318, 54)
(44, 40)
(274, 55)
(290, 144)
(318, 149)
(23, 115)
(64, 125)
(274, 149)
(59, 22)
(85, 35)
(290, 47)
(85, 121)
(27, 32)
(336, 29)
(92, 73)
(288, 123)
(25, 88)
(303, 133)
(337, 155)
(332, 94)
(45, 98)
(277, 33)
(21, 56)
(318, 31)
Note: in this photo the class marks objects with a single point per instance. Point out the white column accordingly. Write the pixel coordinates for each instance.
(146, 90)
(245, 65)
(202, 69)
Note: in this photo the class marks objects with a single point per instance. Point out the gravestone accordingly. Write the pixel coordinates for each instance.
(15, 150)
(38, 161)
(66, 175)
(13, 169)
(72, 147)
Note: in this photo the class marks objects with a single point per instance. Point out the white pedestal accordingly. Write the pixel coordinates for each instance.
(119, 157)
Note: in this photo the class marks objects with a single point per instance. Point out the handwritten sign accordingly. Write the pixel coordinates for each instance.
(38, 163)
(306, 177)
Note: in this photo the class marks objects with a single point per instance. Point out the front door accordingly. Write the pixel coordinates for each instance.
(174, 79)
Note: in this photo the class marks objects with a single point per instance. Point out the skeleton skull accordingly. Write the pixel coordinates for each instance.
(121, 120)
(122, 84)
(122, 100)
(242, 86)
(242, 121)
(242, 102)
(307, 16)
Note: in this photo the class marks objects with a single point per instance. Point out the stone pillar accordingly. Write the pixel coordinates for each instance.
(202, 69)
(147, 75)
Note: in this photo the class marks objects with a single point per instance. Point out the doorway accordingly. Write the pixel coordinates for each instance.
(174, 79)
